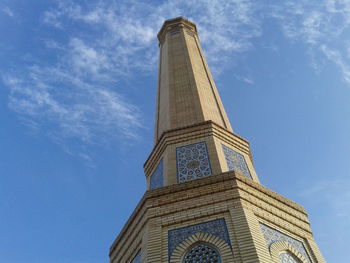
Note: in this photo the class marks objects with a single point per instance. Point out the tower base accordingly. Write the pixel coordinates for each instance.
(240, 219)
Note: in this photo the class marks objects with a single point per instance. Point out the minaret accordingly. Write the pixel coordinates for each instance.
(193, 136)
(187, 93)
(204, 202)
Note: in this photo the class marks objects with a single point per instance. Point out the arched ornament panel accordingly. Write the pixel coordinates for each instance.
(220, 245)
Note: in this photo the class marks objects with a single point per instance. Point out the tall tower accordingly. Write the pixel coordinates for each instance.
(204, 202)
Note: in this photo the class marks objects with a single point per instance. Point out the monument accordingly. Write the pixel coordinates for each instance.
(204, 202)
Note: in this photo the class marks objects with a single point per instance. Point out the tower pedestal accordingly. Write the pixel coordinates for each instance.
(243, 220)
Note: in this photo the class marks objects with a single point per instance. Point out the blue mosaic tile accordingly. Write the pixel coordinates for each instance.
(286, 257)
(272, 235)
(192, 162)
(215, 228)
(137, 258)
(202, 254)
(157, 176)
(236, 162)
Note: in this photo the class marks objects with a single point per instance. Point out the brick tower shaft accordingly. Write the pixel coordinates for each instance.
(187, 93)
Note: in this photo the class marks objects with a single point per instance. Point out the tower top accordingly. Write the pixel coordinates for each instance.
(175, 23)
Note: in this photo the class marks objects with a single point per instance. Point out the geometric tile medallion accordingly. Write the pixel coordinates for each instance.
(286, 257)
(235, 161)
(215, 228)
(192, 162)
(157, 176)
(272, 235)
(202, 254)
(137, 258)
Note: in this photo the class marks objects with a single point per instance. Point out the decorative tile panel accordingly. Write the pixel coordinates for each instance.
(192, 162)
(272, 235)
(137, 258)
(202, 254)
(235, 161)
(286, 257)
(175, 32)
(190, 33)
(157, 176)
(215, 228)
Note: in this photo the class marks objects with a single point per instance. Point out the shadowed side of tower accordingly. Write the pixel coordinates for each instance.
(204, 202)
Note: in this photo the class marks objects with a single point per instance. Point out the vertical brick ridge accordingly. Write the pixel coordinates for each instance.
(251, 244)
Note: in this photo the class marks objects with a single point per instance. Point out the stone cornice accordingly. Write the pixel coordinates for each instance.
(140, 217)
(171, 23)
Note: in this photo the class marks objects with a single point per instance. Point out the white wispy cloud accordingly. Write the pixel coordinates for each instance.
(225, 27)
(322, 26)
(78, 92)
(74, 109)
(8, 11)
(86, 58)
(340, 60)
(248, 80)
(333, 194)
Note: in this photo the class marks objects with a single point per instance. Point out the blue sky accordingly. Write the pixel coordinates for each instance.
(77, 100)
